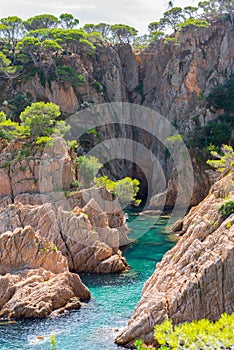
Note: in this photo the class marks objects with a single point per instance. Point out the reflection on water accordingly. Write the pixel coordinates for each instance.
(114, 298)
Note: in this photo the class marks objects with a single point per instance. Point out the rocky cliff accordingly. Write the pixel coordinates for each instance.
(34, 277)
(194, 280)
(171, 78)
(36, 191)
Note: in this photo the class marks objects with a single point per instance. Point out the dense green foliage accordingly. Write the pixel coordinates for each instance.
(37, 121)
(223, 161)
(214, 133)
(219, 132)
(202, 334)
(10, 130)
(222, 98)
(227, 209)
(125, 189)
(68, 74)
(39, 118)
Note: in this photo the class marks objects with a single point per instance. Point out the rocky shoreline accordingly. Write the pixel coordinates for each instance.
(45, 235)
(194, 280)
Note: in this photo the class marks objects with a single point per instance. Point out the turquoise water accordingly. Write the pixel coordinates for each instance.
(114, 298)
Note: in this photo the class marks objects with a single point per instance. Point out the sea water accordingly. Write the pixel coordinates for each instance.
(114, 297)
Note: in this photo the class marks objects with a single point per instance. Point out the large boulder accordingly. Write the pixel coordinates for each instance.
(195, 279)
(34, 277)
(87, 248)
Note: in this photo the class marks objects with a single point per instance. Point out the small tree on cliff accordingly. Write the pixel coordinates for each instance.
(40, 118)
(172, 18)
(9, 129)
(125, 189)
(41, 21)
(122, 33)
(68, 21)
(223, 161)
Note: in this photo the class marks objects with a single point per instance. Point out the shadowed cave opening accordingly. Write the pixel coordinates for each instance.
(118, 168)
(127, 168)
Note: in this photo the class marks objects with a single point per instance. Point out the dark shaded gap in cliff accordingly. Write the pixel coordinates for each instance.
(141, 167)
(132, 170)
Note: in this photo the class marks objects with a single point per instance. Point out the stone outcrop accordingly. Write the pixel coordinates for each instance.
(195, 279)
(22, 172)
(34, 277)
(35, 189)
(88, 248)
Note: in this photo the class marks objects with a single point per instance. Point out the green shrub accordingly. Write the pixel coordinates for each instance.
(49, 141)
(125, 189)
(76, 184)
(140, 345)
(223, 161)
(10, 130)
(97, 86)
(222, 96)
(68, 74)
(227, 209)
(202, 334)
(228, 225)
(40, 118)
(61, 128)
(72, 144)
(5, 135)
(216, 133)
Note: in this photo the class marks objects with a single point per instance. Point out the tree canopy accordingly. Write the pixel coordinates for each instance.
(39, 118)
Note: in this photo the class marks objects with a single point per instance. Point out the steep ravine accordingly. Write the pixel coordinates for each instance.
(170, 78)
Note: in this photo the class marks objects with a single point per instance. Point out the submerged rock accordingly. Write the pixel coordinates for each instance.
(195, 279)
(34, 277)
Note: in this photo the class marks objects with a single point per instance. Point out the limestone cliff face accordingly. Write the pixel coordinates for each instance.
(170, 78)
(195, 279)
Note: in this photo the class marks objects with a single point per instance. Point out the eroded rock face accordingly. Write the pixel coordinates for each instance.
(33, 187)
(21, 167)
(34, 277)
(195, 279)
(84, 245)
(182, 71)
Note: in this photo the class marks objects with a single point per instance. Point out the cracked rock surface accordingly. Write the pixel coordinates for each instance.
(34, 277)
(195, 279)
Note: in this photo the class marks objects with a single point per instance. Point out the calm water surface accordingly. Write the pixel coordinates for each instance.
(114, 298)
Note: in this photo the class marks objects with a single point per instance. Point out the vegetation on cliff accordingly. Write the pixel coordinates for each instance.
(37, 121)
(216, 133)
(201, 334)
(46, 46)
(223, 161)
(125, 189)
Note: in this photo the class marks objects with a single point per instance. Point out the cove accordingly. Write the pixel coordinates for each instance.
(114, 297)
